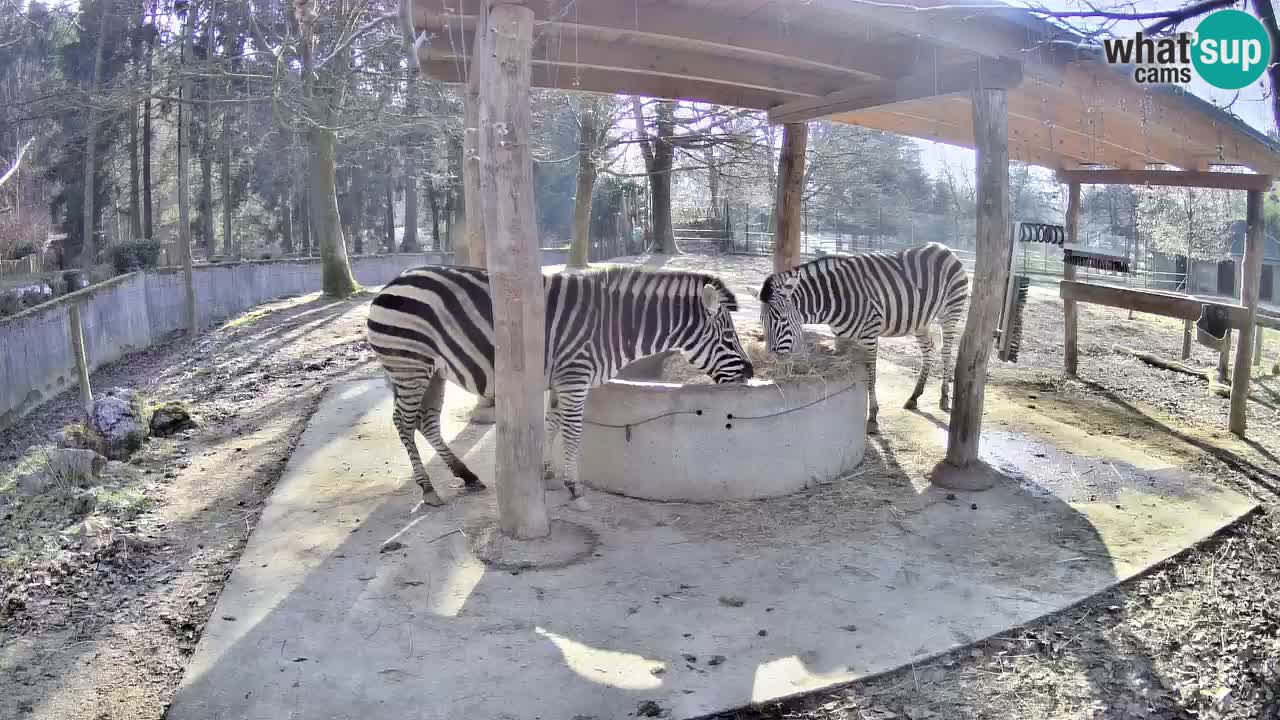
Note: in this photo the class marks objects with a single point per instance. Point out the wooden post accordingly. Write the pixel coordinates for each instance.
(991, 143)
(1251, 277)
(515, 277)
(1070, 353)
(1257, 345)
(474, 244)
(1187, 328)
(1224, 358)
(76, 329)
(789, 196)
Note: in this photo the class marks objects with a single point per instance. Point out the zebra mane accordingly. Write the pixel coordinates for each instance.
(630, 277)
(818, 264)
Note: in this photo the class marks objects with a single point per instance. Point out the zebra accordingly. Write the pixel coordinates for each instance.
(436, 322)
(870, 296)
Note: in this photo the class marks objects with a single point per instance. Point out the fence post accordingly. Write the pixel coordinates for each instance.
(77, 352)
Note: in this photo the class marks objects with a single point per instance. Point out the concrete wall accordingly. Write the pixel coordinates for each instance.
(715, 443)
(131, 312)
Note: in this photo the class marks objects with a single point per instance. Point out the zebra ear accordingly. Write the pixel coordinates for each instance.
(710, 298)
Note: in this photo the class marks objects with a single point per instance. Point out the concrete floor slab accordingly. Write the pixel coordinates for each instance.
(697, 608)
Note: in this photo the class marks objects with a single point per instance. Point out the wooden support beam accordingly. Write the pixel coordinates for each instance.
(789, 196)
(1070, 351)
(1183, 307)
(1251, 275)
(706, 30)
(1172, 178)
(991, 130)
(515, 277)
(1188, 329)
(932, 83)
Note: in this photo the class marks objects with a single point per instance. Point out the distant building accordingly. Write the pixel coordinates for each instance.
(1222, 277)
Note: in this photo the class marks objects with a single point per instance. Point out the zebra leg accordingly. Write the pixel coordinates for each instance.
(408, 398)
(950, 329)
(551, 482)
(572, 402)
(429, 426)
(925, 339)
(873, 405)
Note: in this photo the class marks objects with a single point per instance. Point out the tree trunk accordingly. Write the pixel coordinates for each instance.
(660, 179)
(148, 229)
(88, 244)
(184, 176)
(135, 196)
(579, 249)
(335, 269)
(434, 200)
(228, 244)
(477, 238)
(713, 182)
(409, 243)
(390, 212)
(286, 222)
(458, 228)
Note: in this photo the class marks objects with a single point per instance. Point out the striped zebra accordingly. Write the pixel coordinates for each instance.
(870, 296)
(436, 322)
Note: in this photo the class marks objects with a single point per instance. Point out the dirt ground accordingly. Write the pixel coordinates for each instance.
(99, 622)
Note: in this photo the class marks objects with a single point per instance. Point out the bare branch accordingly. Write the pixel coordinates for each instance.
(16, 163)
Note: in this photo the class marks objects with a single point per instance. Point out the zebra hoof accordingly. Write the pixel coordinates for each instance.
(944, 404)
(474, 485)
(580, 504)
(910, 404)
(432, 498)
(873, 427)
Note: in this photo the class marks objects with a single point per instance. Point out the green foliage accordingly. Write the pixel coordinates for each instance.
(135, 255)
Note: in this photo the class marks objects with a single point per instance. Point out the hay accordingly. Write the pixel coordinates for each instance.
(823, 357)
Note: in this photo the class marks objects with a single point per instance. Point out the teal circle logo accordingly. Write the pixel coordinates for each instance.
(1232, 49)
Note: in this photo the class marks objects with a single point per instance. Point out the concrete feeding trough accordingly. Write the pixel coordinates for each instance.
(647, 438)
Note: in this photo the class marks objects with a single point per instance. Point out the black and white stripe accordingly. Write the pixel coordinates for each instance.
(436, 322)
(870, 296)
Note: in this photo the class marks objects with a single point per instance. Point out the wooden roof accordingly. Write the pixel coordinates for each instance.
(893, 64)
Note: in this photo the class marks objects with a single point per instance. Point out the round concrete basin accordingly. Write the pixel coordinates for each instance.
(657, 440)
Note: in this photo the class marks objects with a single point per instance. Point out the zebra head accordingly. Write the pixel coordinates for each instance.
(714, 348)
(779, 314)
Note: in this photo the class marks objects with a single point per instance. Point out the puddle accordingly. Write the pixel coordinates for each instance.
(1043, 469)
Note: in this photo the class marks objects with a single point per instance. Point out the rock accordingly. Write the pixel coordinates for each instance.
(80, 437)
(46, 468)
(170, 418)
(122, 419)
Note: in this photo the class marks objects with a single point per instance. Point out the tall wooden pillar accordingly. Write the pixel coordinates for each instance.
(515, 277)
(991, 143)
(1251, 277)
(789, 196)
(1070, 353)
(473, 234)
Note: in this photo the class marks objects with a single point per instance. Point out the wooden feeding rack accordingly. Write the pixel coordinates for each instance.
(1000, 80)
(1243, 317)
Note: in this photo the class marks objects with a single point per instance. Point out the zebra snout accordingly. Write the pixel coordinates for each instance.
(748, 372)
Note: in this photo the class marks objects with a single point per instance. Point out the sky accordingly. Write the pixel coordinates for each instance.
(1252, 105)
